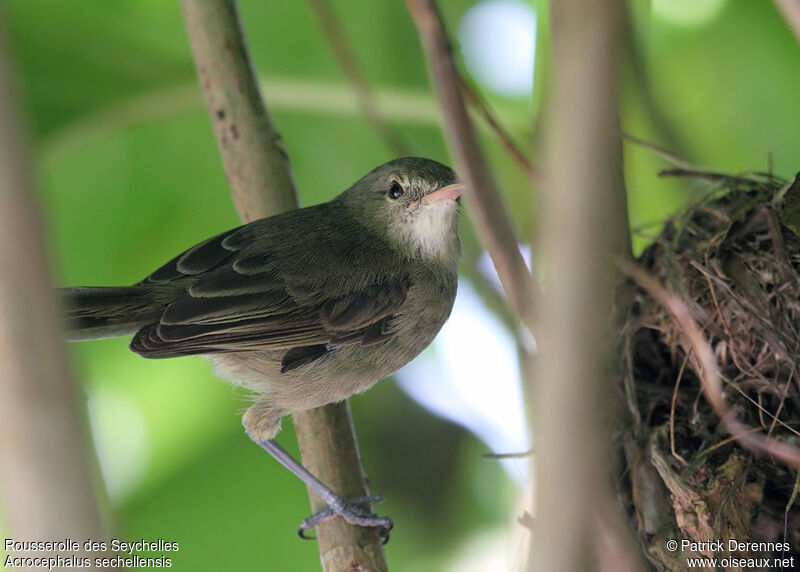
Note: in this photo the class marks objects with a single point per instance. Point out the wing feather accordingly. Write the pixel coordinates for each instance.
(263, 286)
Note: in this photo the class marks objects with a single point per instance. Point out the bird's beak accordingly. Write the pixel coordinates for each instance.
(449, 192)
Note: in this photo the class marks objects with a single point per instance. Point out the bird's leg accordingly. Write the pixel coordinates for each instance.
(337, 506)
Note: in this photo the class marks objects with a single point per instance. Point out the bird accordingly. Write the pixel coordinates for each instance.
(304, 308)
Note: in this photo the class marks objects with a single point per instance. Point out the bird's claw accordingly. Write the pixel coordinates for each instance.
(349, 511)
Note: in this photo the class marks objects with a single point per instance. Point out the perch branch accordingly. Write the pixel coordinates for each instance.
(46, 470)
(491, 218)
(790, 10)
(709, 373)
(332, 28)
(258, 171)
(584, 226)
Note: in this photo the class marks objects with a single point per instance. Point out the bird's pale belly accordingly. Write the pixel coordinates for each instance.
(341, 371)
(337, 375)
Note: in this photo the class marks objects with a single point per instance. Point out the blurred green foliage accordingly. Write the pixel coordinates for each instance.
(129, 175)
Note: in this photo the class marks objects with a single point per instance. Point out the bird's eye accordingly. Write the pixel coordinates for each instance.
(395, 190)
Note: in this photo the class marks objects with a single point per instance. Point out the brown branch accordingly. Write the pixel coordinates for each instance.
(337, 38)
(48, 477)
(584, 225)
(491, 218)
(790, 9)
(708, 370)
(258, 170)
(334, 32)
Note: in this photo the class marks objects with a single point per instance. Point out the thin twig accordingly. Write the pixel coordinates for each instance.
(640, 78)
(500, 132)
(714, 177)
(708, 370)
(521, 455)
(703, 452)
(782, 401)
(659, 151)
(672, 411)
(790, 9)
(491, 218)
(261, 182)
(694, 173)
(334, 32)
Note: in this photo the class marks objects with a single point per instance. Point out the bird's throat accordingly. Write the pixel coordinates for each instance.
(428, 231)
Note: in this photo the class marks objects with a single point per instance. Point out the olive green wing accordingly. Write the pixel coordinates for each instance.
(246, 291)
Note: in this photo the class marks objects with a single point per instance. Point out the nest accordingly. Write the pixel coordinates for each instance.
(734, 260)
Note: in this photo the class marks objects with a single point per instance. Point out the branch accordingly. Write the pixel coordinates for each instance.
(585, 224)
(790, 9)
(258, 171)
(332, 28)
(46, 470)
(491, 218)
(334, 32)
(499, 131)
(668, 156)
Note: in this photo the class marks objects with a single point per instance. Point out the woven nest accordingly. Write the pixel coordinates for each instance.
(736, 264)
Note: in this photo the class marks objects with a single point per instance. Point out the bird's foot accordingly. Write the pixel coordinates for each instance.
(350, 511)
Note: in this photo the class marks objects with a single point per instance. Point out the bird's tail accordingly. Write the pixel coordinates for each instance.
(99, 312)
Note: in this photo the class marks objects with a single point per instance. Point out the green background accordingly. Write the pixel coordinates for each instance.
(129, 174)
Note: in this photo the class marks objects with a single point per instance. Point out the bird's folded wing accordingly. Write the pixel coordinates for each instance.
(237, 297)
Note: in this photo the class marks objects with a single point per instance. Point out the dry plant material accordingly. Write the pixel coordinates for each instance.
(734, 261)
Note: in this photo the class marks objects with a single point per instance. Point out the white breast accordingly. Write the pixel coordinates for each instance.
(428, 229)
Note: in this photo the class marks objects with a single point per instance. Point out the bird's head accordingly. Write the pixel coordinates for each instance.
(413, 202)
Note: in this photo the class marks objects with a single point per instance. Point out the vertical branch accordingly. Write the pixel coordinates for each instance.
(328, 444)
(491, 218)
(258, 170)
(46, 469)
(584, 223)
